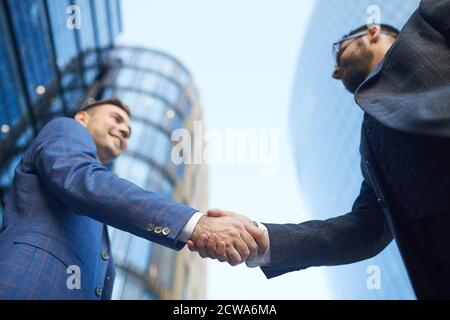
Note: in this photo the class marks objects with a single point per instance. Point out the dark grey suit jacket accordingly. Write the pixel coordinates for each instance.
(410, 89)
(405, 160)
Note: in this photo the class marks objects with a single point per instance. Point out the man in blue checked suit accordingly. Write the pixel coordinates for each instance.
(55, 243)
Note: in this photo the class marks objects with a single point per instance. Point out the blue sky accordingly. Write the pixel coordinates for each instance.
(243, 56)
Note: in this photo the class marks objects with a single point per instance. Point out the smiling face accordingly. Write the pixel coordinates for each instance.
(110, 127)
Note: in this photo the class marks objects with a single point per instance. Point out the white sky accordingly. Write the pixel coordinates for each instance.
(243, 56)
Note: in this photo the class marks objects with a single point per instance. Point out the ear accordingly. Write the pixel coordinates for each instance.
(82, 117)
(374, 34)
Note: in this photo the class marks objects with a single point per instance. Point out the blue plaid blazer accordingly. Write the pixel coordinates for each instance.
(55, 243)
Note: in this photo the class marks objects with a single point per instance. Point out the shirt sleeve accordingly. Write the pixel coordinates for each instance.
(186, 233)
(264, 259)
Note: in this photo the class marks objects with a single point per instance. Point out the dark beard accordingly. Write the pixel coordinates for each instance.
(356, 67)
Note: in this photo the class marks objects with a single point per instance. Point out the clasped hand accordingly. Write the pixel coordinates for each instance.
(227, 237)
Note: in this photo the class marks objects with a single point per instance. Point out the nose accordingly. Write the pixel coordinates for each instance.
(337, 73)
(124, 131)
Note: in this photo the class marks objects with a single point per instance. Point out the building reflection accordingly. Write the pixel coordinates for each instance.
(49, 70)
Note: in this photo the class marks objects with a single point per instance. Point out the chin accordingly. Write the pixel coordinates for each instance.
(109, 155)
(112, 154)
(115, 154)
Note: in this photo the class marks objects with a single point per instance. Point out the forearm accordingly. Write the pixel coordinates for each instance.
(65, 159)
(347, 239)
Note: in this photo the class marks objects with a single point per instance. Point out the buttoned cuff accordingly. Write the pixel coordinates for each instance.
(189, 227)
(264, 259)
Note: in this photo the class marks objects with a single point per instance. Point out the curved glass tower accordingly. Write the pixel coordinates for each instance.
(162, 98)
(50, 67)
(325, 127)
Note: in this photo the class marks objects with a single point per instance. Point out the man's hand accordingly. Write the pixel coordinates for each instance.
(211, 245)
(232, 240)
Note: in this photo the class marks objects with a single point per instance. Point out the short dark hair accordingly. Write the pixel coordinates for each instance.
(394, 32)
(114, 101)
(386, 27)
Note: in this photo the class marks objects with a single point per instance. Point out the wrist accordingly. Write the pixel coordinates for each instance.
(191, 226)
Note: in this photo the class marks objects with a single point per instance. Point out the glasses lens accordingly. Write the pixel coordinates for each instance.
(337, 46)
(336, 49)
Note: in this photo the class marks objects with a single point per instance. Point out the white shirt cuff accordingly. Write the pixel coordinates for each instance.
(189, 227)
(264, 259)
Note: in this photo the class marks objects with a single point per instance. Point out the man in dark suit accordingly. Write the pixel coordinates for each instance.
(402, 82)
(63, 197)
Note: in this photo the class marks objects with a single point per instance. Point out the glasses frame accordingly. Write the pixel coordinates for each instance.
(337, 48)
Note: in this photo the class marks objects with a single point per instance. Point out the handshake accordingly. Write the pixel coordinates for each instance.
(228, 237)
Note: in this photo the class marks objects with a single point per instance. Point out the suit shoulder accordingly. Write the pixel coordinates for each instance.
(61, 123)
(436, 12)
(65, 128)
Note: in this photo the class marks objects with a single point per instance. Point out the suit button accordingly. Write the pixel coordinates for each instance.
(150, 227)
(166, 231)
(105, 255)
(98, 291)
(158, 230)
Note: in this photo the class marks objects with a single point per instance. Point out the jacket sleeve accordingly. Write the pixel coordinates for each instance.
(65, 158)
(437, 13)
(353, 237)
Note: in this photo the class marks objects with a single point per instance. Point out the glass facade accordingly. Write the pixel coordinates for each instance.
(11, 93)
(159, 90)
(49, 69)
(30, 28)
(45, 68)
(325, 126)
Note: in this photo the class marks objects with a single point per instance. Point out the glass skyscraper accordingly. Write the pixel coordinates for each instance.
(50, 66)
(325, 126)
(46, 68)
(163, 98)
